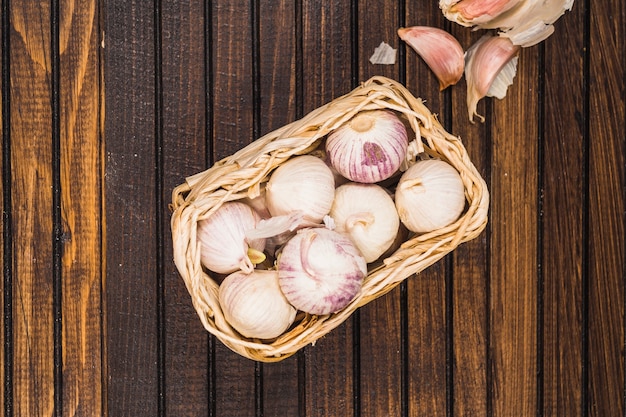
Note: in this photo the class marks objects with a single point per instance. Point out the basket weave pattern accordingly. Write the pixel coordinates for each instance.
(241, 174)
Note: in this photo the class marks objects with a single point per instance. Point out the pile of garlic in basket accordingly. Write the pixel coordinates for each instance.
(281, 242)
(321, 220)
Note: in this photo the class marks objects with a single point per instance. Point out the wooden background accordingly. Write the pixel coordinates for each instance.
(107, 105)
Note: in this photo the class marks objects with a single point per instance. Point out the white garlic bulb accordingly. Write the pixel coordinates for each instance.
(368, 148)
(303, 183)
(254, 305)
(367, 214)
(224, 247)
(320, 271)
(430, 195)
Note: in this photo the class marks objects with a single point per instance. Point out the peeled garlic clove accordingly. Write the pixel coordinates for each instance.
(320, 271)
(368, 148)
(490, 66)
(222, 237)
(303, 183)
(475, 12)
(254, 305)
(430, 195)
(440, 50)
(367, 214)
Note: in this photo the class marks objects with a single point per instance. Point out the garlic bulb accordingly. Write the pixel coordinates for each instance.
(303, 183)
(491, 65)
(222, 238)
(368, 148)
(430, 195)
(440, 50)
(367, 214)
(320, 271)
(254, 305)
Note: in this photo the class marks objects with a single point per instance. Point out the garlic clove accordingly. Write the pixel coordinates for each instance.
(490, 66)
(475, 12)
(254, 305)
(440, 50)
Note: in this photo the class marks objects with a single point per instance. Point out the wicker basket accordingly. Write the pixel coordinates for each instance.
(240, 175)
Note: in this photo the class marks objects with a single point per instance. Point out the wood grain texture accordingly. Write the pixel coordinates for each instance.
(31, 154)
(331, 377)
(607, 182)
(428, 326)
(562, 224)
(81, 207)
(131, 335)
(527, 319)
(185, 152)
(513, 269)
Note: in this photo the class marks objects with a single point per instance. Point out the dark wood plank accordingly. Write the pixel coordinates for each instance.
(326, 74)
(426, 292)
(5, 237)
(607, 181)
(514, 222)
(470, 266)
(562, 220)
(184, 153)
(31, 153)
(381, 331)
(81, 206)
(280, 104)
(131, 338)
(233, 128)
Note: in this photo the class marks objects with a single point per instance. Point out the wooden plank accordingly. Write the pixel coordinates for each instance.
(380, 332)
(426, 292)
(329, 381)
(81, 205)
(470, 266)
(184, 153)
(280, 104)
(131, 319)
(607, 181)
(514, 221)
(5, 188)
(31, 153)
(233, 112)
(562, 220)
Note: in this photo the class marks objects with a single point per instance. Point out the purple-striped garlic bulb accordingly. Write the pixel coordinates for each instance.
(368, 148)
(320, 271)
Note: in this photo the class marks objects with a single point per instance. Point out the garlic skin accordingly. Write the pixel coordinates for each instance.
(440, 50)
(531, 21)
(320, 271)
(475, 12)
(303, 183)
(524, 22)
(222, 238)
(490, 66)
(368, 148)
(254, 305)
(367, 214)
(430, 195)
